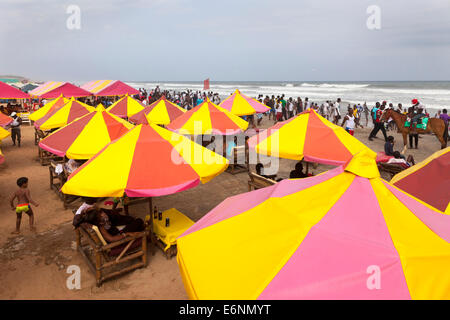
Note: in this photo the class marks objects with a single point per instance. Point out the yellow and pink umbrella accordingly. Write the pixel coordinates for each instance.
(160, 112)
(147, 161)
(63, 115)
(86, 136)
(49, 107)
(241, 105)
(343, 234)
(304, 137)
(4, 133)
(125, 107)
(208, 118)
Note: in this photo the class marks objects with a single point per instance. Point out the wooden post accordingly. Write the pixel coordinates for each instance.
(152, 236)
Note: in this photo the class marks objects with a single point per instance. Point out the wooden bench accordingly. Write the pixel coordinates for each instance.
(46, 157)
(257, 182)
(39, 135)
(57, 181)
(390, 168)
(238, 153)
(109, 260)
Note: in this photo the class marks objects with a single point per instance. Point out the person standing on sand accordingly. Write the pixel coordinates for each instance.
(15, 128)
(23, 204)
(379, 125)
(366, 113)
(349, 121)
(299, 105)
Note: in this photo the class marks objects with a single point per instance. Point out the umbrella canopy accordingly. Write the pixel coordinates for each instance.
(5, 120)
(161, 112)
(2, 157)
(109, 88)
(428, 180)
(49, 107)
(63, 115)
(303, 136)
(52, 89)
(147, 161)
(86, 136)
(9, 92)
(343, 234)
(241, 105)
(4, 133)
(208, 118)
(125, 107)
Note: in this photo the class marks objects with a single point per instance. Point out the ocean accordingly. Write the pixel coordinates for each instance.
(432, 94)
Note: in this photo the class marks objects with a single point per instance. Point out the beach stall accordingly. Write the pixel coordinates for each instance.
(241, 105)
(109, 88)
(160, 112)
(303, 137)
(209, 119)
(54, 89)
(126, 107)
(50, 106)
(147, 161)
(9, 92)
(428, 180)
(86, 136)
(343, 234)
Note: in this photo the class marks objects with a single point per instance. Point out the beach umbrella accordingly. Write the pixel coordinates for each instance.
(48, 107)
(303, 137)
(4, 133)
(63, 115)
(208, 118)
(241, 105)
(160, 112)
(343, 234)
(2, 157)
(428, 180)
(109, 88)
(86, 136)
(5, 120)
(125, 107)
(53, 89)
(9, 92)
(147, 161)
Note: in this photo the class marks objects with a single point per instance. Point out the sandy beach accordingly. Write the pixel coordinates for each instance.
(33, 265)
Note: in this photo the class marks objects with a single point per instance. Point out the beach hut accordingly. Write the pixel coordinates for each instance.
(343, 234)
(50, 106)
(53, 89)
(5, 120)
(303, 137)
(9, 92)
(126, 107)
(428, 180)
(63, 115)
(208, 118)
(138, 165)
(109, 88)
(86, 136)
(160, 112)
(241, 105)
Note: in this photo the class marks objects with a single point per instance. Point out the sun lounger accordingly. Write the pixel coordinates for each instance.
(109, 260)
(257, 182)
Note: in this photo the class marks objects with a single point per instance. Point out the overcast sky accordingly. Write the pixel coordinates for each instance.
(255, 40)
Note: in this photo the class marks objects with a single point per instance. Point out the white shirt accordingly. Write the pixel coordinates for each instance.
(350, 123)
(83, 207)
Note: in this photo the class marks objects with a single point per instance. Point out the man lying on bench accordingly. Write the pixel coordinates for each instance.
(108, 222)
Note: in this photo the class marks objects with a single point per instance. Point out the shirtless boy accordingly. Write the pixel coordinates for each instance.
(23, 203)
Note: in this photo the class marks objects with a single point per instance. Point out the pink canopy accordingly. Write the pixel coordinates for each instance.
(67, 90)
(9, 92)
(109, 88)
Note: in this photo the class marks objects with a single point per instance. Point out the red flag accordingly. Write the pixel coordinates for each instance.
(206, 84)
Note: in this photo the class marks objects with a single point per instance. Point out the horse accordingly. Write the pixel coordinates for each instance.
(435, 125)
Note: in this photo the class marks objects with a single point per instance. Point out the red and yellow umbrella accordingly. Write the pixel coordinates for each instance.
(125, 107)
(160, 112)
(86, 136)
(147, 161)
(428, 180)
(4, 133)
(208, 118)
(49, 107)
(241, 105)
(63, 115)
(5, 120)
(304, 136)
(343, 234)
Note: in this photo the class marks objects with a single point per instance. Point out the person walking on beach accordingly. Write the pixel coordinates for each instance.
(366, 113)
(379, 125)
(15, 128)
(299, 105)
(23, 204)
(349, 121)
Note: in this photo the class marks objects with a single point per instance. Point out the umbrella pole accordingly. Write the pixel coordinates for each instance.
(152, 236)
